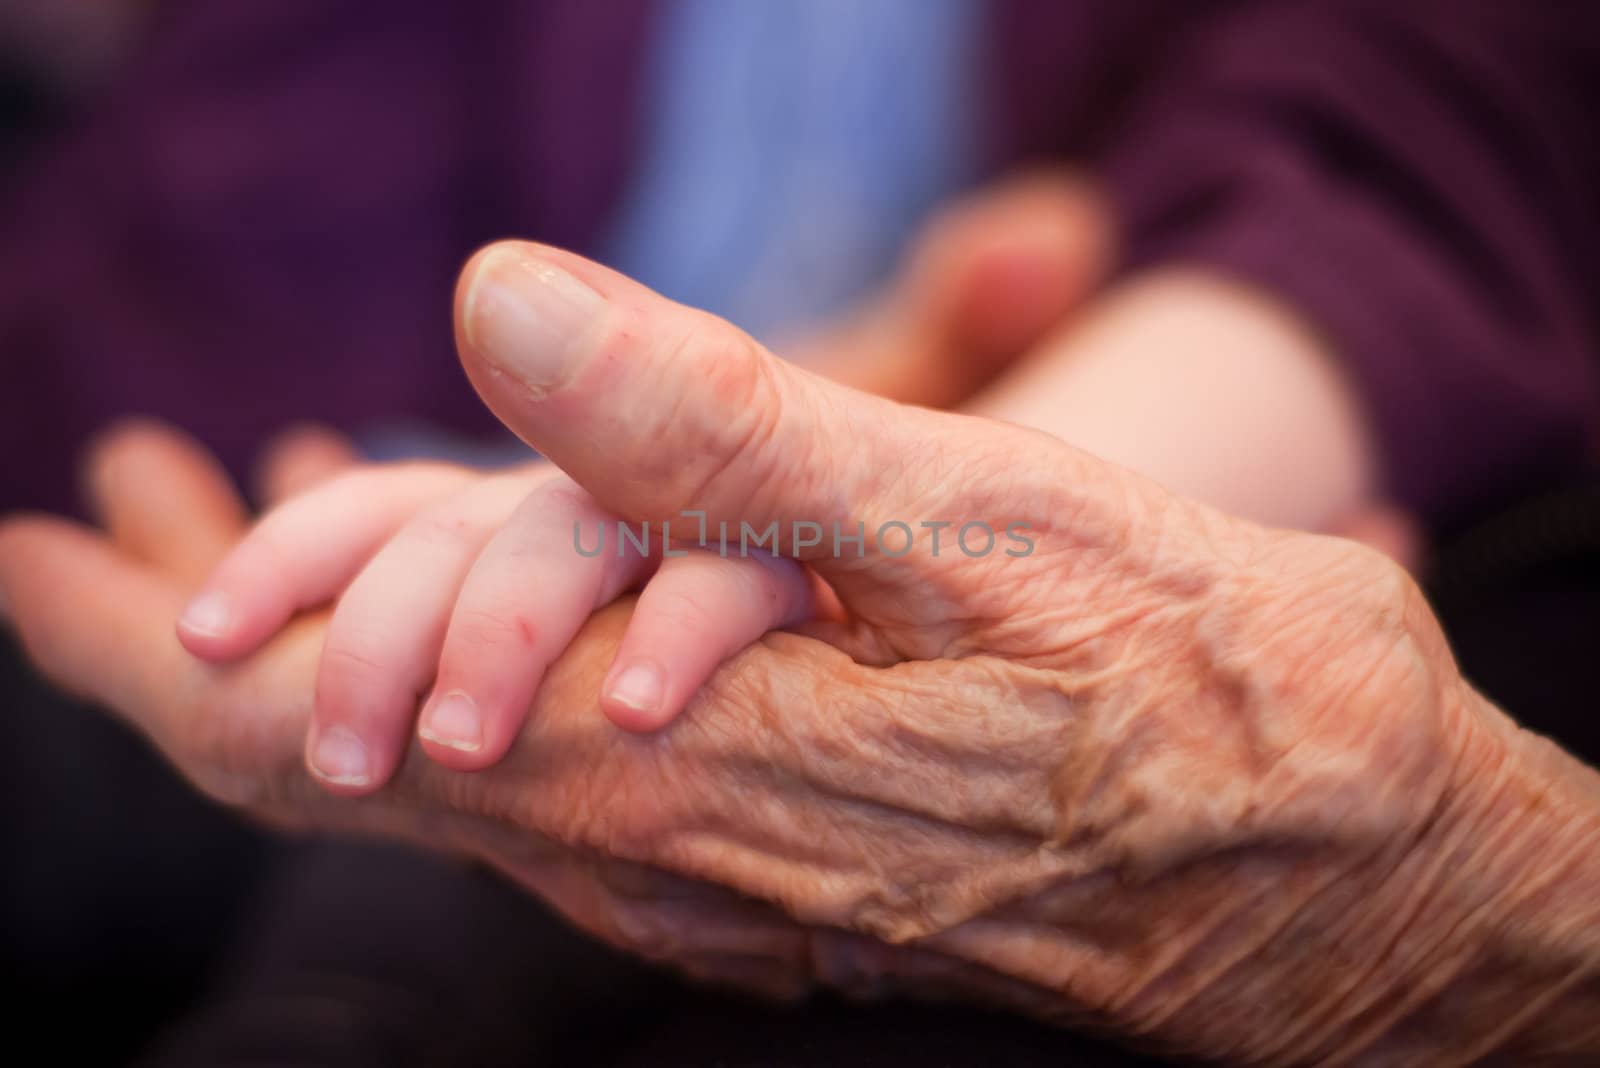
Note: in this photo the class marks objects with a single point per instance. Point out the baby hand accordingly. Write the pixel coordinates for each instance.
(463, 588)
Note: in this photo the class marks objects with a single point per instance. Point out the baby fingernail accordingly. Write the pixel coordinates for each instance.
(454, 722)
(340, 757)
(208, 614)
(639, 686)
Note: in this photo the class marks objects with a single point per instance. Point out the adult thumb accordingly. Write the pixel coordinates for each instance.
(658, 409)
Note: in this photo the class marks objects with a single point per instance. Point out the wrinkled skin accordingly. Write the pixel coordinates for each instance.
(1210, 786)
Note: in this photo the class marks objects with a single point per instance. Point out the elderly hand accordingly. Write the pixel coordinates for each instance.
(1206, 784)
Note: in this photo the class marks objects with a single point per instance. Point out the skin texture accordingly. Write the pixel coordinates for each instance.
(1214, 787)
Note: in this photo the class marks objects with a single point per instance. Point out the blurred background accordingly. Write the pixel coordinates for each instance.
(211, 208)
(246, 216)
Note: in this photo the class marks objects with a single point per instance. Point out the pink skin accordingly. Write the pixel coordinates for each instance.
(469, 586)
(697, 611)
(290, 562)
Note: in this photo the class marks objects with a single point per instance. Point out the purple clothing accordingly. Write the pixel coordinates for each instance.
(262, 224)
(1421, 181)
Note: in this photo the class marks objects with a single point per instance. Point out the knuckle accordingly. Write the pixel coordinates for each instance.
(558, 496)
(348, 660)
(444, 527)
(740, 377)
(1382, 597)
(720, 396)
(768, 579)
(457, 523)
(1392, 586)
(745, 589)
(685, 612)
(753, 448)
(479, 629)
(647, 932)
(355, 647)
(221, 751)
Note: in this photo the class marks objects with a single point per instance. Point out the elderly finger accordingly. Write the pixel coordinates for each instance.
(164, 499)
(93, 620)
(301, 458)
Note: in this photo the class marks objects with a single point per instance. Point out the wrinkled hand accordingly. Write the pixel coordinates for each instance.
(1126, 767)
(1200, 782)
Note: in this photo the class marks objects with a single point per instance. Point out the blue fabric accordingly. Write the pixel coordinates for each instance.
(792, 147)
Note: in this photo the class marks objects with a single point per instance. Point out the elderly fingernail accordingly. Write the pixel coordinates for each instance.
(208, 614)
(639, 687)
(339, 757)
(454, 722)
(522, 315)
